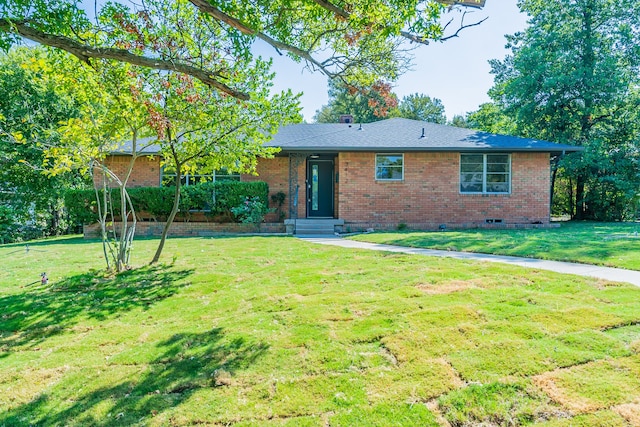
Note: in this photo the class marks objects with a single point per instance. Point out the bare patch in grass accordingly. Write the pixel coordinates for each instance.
(547, 383)
(450, 286)
(23, 386)
(593, 386)
(630, 412)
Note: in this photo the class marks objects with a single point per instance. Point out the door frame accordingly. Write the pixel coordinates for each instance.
(332, 186)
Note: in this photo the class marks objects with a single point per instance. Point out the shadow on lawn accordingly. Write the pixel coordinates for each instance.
(41, 311)
(186, 363)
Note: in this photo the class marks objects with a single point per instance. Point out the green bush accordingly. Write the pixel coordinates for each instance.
(214, 198)
(251, 211)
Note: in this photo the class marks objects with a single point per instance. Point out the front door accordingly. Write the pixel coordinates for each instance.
(320, 188)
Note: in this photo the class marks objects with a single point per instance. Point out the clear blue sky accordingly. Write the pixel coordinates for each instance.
(456, 71)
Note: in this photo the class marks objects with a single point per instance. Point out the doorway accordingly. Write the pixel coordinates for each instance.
(320, 188)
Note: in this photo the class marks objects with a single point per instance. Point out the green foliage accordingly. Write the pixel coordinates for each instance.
(31, 106)
(251, 211)
(366, 104)
(572, 77)
(214, 198)
(377, 102)
(422, 107)
(491, 118)
(363, 38)
(8, 224)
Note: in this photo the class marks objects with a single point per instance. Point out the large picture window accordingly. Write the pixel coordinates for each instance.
(169, 179)
(389, 167)
(485, 173)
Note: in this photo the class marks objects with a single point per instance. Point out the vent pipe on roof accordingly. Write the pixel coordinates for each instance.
(360, 128)
(422, 136)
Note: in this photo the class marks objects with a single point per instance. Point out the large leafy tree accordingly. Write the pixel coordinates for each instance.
(572, 77)
(202, 130)
(31, 106)
(422, 107)
(378, 102)
(489, 117)
(357, 40)
(365, 105)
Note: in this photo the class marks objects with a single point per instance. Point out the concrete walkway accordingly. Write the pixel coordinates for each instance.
(607, 273)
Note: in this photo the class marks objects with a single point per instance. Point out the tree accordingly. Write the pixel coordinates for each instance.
(571, 78)
(201, 130)
(366, 105)
(489, 117)
(109, 114)
(422, 107)
(31, 106)
(359, 41)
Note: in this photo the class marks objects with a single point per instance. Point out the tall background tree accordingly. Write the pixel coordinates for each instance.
(366, 105)
(572, 77)
(31, 106)
(422, 107)
(377, 102)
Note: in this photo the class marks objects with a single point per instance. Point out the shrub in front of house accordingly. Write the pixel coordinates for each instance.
(214, 199)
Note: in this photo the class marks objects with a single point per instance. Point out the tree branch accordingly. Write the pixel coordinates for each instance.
(84, 53)
(325, 4)
(463, 26)
(207, 8)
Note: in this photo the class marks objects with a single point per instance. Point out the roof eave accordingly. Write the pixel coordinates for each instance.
(553, 150)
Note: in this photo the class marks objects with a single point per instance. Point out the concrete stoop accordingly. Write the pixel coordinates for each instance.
(314, 226)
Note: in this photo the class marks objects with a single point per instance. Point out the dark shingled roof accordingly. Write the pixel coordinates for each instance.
(403, 135)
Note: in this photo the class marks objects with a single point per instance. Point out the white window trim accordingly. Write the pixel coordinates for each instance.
(375, 172)
(484, 174)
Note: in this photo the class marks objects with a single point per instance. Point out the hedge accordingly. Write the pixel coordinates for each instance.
(214, 198)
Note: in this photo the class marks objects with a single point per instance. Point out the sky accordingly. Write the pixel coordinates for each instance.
(456, 71)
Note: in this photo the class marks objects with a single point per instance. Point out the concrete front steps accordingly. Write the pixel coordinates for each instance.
(313, 226)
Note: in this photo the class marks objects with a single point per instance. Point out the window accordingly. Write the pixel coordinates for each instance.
(389, 167)
(485, 173)
(169, 179)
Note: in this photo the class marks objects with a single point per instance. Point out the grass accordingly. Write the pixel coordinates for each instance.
(609, 244)
(273, 331)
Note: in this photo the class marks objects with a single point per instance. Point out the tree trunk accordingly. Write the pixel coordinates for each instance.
(172, 215)
(580, 212)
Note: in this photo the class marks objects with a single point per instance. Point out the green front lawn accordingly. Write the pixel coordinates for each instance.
(610, 244)
(274, 331)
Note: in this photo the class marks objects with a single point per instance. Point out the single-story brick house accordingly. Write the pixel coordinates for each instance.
(401, 172)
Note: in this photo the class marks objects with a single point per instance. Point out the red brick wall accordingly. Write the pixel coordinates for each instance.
(146, 171)
(275, 172)
(190, 229)
(429, 194)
